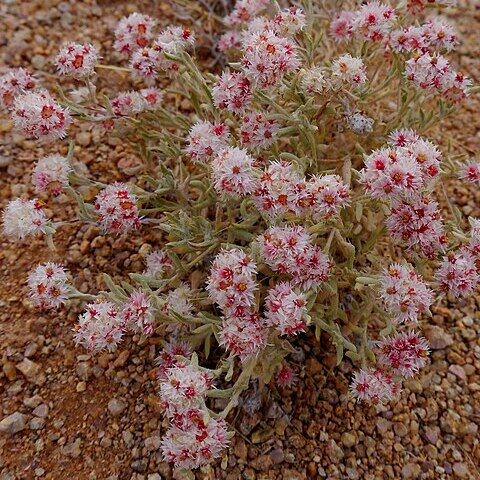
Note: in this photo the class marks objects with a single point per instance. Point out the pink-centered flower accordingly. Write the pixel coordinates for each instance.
(404, 353)
(458, 274)
(37, 115)
(232, 92)
(132, 32)
(117, 209)
(286, 309)
(51, 174)
(206, 140)
(374, 385)
(194, 439)
(23, 218)
(233, 173)
(100, 327)
(404, 293)
(76, 60)
(138, 313)
(14, 83)
(49, 285)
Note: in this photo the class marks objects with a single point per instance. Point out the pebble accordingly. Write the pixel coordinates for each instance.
(37, 423)
(116, 406)
(81, 387)
(32, 371)
(349, 439)
(14, 423)
(41, 411)
(83, 138)
(277, 455)
(73, 449)
(10, 370)
(437, 337)
(411, 470)
(461, 470)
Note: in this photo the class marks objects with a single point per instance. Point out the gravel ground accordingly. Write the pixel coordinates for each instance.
(66, 414)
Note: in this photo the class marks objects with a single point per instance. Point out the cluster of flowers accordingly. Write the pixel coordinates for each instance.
(399, 356)
(49, 286)
(194, 437)
(135, 37)
(402, 173)
(277, 190)
(427, 70)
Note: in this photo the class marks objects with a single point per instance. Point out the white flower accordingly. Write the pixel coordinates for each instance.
(51, 174)
(22, 218)
(77, 60)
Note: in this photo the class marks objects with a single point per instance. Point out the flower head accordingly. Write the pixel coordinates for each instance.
(257, 131)
(458, 273)
(232, 172)
(132, 32)
(404, 353)
(286, 309)
(232, 92)
(49, 286)
(22, 218)
(194, 440)
(158, 264)
(404, 293)
(268, 57)
(349, 69)
(77, 60)
(14, 83)
(374, 385)
(117, 208)
(138, 313)
(51, 174)
(100, 327)
(37, 115)
(206, 140)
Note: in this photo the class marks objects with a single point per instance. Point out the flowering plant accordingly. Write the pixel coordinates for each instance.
(297, 186)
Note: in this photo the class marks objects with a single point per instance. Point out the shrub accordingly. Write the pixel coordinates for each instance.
(299, 180)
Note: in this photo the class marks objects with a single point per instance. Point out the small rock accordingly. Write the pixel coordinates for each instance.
(313, 366)
(413, 385)
(140, 465)
(458, 371)
(411, 470)
(121, 360)
(13, 423)
(30, 350)
(33, 402)
(73, 449)
(334, 452)
(349, 439)
(38, 62)
(37, 423)
(116, 406)
(153, 443)
(262, 463)
(277, 456)
(240, 449)
(260, 436)
(32, 371)
(10, 370)
(460, 470)
(41, 411)
(383, 425)
(39, 472)
(400, 429)
(437, 337)
(81, 387)
(154, 476)
(83, 138)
